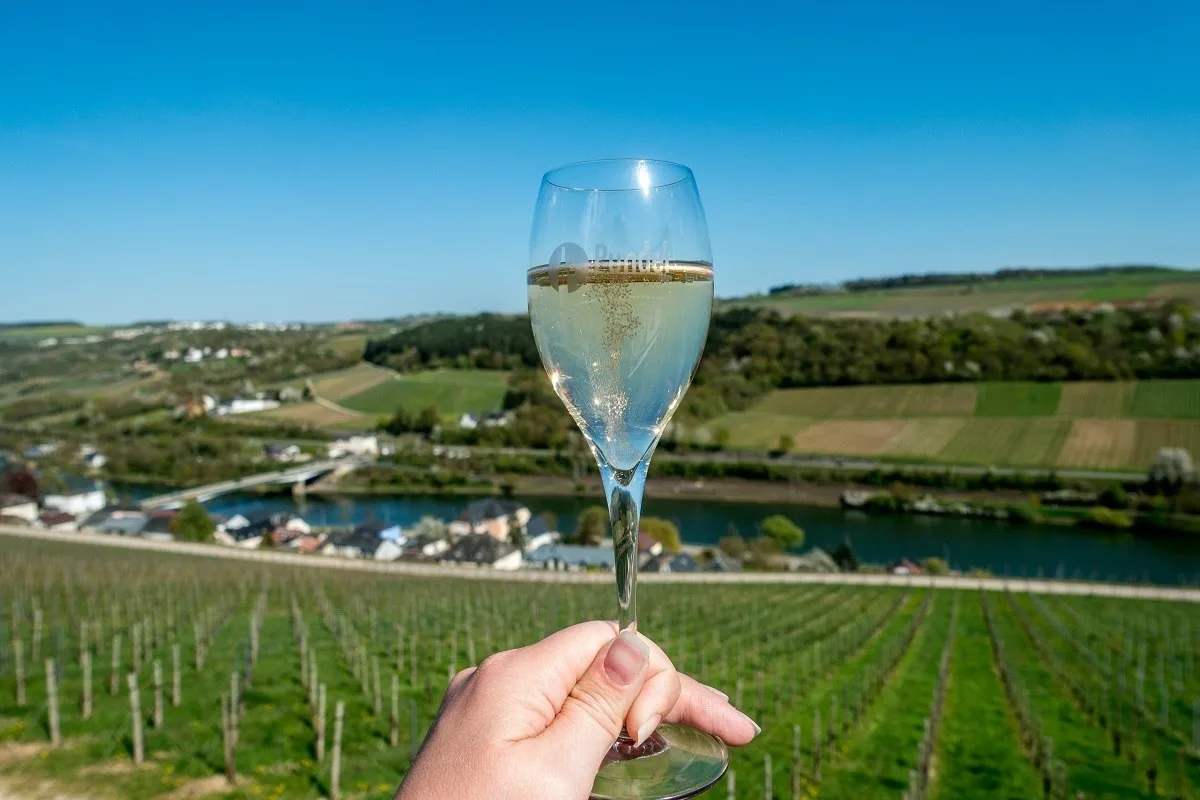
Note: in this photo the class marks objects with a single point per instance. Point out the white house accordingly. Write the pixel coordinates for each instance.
(193, 356)
(358, 445)
(297, 525)
(388, 550)
(468, 422)
(234, 523)
(249, 405)
(18, 506)
(83, 498)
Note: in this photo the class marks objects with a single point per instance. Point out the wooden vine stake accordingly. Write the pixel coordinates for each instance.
(227, 742)
(395, 730)
(135, 711)
(19, 670)
(158, 695)
(52, 702)
(86, 665)
(114, 684)
(176, 677)
(321, 724)
(378, 695)
(335, 769)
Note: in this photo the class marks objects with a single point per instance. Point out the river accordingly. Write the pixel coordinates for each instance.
(1005, 549)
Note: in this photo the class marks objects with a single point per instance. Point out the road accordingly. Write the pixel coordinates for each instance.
(851, 464)
(1086, 588)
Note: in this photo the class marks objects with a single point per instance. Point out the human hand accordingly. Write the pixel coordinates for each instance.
(536, 722)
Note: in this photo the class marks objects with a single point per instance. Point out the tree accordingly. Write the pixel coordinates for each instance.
(431, 527)
(845, 556)
(935, 566)
(721, 438)
(732, 544)
(786, 443)
(762, 553)
(663, 532)
(1172, 468)
(516, 534)
(783, 531)
(401, 422)
(592, 525)
(427, 420)
(20, 481)
(192, 523)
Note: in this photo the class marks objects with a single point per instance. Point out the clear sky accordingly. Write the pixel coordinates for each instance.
(300, 160)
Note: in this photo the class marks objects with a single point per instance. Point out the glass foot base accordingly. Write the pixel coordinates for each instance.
(674, 763)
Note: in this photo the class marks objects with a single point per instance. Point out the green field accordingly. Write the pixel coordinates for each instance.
(1083, 425)
(840, 678)
(453, 392)
(1018, 399)
(987, 295)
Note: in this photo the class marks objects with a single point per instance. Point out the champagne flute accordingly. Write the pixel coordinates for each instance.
(620, 294)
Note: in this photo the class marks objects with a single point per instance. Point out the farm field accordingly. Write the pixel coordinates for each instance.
(986, 295)
(345, 383)
(314, 414)
(453, 392)
(1084, 425)
(1018, 690)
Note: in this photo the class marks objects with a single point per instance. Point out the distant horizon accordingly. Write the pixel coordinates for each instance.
(46, 322)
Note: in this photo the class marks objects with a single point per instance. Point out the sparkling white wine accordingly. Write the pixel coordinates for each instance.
(620, 344)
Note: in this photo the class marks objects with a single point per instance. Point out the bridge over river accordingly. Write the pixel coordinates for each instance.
(300, 473)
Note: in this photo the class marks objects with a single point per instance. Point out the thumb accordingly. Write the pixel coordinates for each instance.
(592, 715)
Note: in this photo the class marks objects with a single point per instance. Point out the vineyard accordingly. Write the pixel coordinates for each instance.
(141, 674)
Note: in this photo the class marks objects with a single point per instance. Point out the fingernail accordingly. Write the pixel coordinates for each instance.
(626, 658)
(757, 728)
(715, 691)
(648, 727)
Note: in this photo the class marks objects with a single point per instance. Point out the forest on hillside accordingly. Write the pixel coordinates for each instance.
(751, 351)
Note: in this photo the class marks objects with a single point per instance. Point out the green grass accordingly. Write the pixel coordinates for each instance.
(350, 344)
(875, 760)
(872, 402)
(757, 430)
(1017, 399)
(988, 295)
(452, 392)
(978, 754)
(1167, 399)
(1029, 442)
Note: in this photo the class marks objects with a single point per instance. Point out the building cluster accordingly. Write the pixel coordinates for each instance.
(491, 533)
(194, 355)
(246, 403)
(61, 509)
(127, 334)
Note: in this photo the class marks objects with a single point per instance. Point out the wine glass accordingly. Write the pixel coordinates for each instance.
(620, 294)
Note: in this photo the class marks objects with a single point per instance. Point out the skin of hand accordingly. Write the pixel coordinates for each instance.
(536, 722)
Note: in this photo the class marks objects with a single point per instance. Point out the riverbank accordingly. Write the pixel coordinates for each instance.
(726, 490)
(1035, 586)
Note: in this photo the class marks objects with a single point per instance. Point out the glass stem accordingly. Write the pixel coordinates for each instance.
(624, 488)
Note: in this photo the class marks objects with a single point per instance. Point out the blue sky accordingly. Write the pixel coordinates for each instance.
(325, 161)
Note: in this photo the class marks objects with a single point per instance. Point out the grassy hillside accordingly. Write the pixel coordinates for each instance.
(453, 392)
(1097, 425)
(988, 295)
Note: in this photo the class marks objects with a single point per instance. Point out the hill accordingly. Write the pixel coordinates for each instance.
(1086, 424)
(1032, 289)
